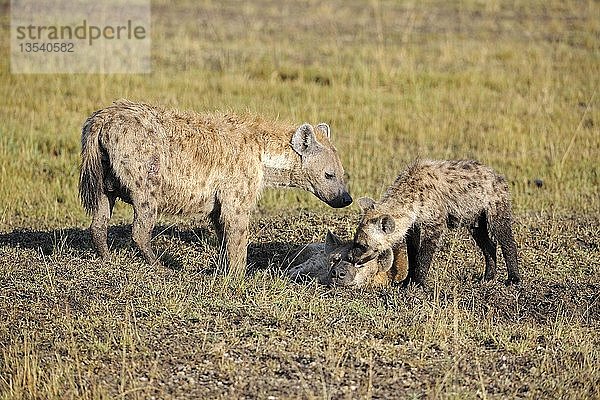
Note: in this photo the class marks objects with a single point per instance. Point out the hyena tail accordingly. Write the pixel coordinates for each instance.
(91, 177)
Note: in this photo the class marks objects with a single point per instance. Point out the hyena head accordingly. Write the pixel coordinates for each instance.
(321, 169)
(336, 249)
(375, 233)
(345, 273)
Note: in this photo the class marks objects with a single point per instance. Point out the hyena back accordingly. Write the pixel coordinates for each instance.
(431, 196)
(215, 164)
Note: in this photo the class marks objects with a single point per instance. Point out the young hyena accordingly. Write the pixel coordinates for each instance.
(325, 263)
(216, 164)
(430, 196)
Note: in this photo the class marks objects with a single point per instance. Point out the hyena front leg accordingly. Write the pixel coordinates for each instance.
(144, 218)
(487, 246)
(236, 222)
(430, 238)
(99, 226)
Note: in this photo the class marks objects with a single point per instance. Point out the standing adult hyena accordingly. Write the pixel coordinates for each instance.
(216, 164)
(427, 198)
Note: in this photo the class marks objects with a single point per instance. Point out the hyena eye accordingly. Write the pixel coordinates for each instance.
(335, 259)
(329, 175)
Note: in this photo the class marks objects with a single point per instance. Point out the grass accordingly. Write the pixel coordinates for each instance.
(513, 84)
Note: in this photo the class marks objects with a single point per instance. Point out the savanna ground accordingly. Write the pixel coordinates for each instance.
(513, 84)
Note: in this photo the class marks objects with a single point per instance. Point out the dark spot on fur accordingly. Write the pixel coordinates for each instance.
(154, 166)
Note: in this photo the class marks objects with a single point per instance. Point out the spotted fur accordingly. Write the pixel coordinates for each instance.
(184, 163)
(430, 197)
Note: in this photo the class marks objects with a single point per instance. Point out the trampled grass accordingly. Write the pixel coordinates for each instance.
(513, 84)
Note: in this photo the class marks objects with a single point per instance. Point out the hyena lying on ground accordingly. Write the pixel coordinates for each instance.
(427, 198)
(216, 164)
(325, 263)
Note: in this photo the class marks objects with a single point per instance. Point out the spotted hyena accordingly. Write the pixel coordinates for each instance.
(184, 163)
(429, 197)
(325, 263)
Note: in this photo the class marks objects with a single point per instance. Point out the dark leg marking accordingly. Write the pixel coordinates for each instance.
(487, 246)
(215, 217)
(413, 241)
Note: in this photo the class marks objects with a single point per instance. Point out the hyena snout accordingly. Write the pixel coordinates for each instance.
(334, 194)
(332, 189)
(341, 200)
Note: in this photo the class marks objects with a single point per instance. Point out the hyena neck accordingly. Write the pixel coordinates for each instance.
(403, 225)
(281, 169)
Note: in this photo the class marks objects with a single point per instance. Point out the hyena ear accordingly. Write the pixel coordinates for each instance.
(332, 239)
(323, 127)
(387, 224)
(366, 203)
(385, 260)
(303, 139)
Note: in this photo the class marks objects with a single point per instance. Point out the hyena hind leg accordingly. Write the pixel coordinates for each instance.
(487, 246)
(501, 228)
(99, 226)
(144, 218)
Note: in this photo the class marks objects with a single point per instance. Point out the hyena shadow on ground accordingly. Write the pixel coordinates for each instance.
(54, 241)
(58, 241)
(49, 242)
